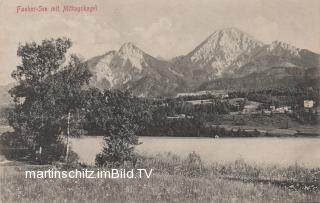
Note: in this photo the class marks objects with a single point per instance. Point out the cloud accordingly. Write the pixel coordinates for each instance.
(158, 29)
(83, 30)
(261, 28)
(167, 28)
(89, 37)
(162, 38)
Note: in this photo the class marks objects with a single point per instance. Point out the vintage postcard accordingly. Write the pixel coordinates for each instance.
(159, 101)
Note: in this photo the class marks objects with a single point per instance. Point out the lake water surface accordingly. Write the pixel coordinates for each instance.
(282, 151)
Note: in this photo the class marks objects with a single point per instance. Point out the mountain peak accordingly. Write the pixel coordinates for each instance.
(221, 48)
(230, 29)
(278, 45)
(128, 47)
(231, 34)
(229, 37)
(130, 52)
(282, 44)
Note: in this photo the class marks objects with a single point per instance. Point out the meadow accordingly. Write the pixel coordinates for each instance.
(174, 179)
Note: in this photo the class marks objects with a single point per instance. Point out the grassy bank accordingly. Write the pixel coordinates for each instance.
(173, 180)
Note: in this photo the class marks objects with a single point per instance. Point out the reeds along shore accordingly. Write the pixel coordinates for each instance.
(174, 179)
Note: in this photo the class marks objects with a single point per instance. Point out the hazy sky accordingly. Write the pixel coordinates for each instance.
(164, 28)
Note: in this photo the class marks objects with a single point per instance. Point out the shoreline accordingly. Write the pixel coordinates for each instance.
(206, 137)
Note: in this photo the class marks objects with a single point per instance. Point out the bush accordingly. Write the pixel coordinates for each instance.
(116, 115)
(12, 147)
(193, 166)
(169, 163)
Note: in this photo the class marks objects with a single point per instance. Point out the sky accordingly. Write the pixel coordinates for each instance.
(162, 28)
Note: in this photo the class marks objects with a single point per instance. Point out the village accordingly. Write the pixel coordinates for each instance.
(252, 116)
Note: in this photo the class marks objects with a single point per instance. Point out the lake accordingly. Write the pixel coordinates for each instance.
(281, 151)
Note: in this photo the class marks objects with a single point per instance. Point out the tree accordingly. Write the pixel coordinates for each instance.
(47, 91)
(118, 116)
(65, 97)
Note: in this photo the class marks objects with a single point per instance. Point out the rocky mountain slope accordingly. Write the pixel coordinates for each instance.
(213, 57)
(228, 58)
(5, 97)
(133, 69)
(270, 78)
(278, 54)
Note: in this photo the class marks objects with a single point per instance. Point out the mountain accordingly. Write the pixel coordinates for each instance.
(211, 59)
(228, 58)
(232, 56)
(278, 54)
(133, 69)
(271, 78)
(5, 97)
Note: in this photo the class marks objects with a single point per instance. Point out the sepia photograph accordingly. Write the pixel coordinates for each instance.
(160, 101)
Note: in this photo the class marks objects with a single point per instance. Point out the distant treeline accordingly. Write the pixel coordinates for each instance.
(293, 97)
(155, 119)
(195, 127)
(178, 117)
(192, 121)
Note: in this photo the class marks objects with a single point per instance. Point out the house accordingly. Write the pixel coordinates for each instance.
(250, 107)
(266, 112)
(281, 109)
(272, 108)
(185, 94)
(199, 101)
(225, 96)
(179, 116)
(308, 103)
(217, 93)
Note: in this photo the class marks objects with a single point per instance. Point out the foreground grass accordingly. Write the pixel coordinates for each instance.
(193, 166)
(174, 180)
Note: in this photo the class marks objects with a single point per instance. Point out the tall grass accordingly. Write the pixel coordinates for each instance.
(193, 166)
(175, 179)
